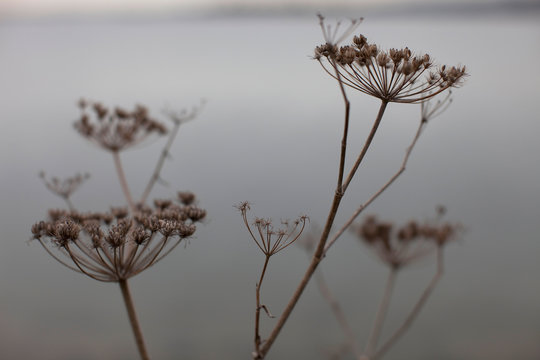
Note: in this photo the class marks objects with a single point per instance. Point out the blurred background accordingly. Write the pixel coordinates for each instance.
(269, 133)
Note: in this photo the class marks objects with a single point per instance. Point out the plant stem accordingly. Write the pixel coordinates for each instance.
(416, 309)
(381, 314)
(380, 191)
(123, 181)
(258, 308)
(338, 313)
(139, 339)
(319, 252)
(380, 114)
(165, 152)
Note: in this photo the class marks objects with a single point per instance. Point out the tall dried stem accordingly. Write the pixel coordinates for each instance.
(139, 339)
(319, 252)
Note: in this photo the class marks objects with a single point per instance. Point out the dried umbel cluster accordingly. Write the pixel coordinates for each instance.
(113, 246)
(399, 246)
(64, 187)
(116, 129)
(269, 239)
(396, 75)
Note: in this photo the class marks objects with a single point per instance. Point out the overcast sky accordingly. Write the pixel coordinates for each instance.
(47, 7)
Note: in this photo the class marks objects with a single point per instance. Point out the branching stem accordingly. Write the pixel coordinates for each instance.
(352, 344)
(381, 314)
(380, 191)
(258, 308)
(319, 252)
(415, 310)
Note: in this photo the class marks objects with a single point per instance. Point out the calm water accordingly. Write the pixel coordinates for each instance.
(269, 134)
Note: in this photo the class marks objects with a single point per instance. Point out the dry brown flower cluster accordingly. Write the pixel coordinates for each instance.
(396, 75)
(112, 246)
(116, 129)
(399, 246)
(269, 239)
(64, 187)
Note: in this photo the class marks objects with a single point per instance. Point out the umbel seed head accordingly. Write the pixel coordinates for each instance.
(112, 246)
(396, 75)
(118, 129)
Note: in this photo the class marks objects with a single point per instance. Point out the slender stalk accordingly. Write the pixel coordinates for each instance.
(415, 310)
(165, 152)
(259, 306)
(139, 339)
(123, 181)
(381, 314)
(345, 130)
(352, 344)
(319, 252)
(380, 114)
(380, 191)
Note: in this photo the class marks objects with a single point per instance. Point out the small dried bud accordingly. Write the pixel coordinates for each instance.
(66, 231)
(186, 197)
(360, 41)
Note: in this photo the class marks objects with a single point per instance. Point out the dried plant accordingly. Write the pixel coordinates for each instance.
(64, 188)
(117, 245)
(111, 246)
(270, 241)
(393, 76)
(398, 248)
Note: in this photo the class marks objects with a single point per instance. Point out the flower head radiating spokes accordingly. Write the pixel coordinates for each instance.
(271, 240)
(396, 75)
(410, 242)
(111, 246)
(117, 129)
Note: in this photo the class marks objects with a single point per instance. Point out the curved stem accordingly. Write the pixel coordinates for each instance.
(123, 181)
(381, 314)
(339, 315)
(415, 310)
(139, 339)
(165, 152)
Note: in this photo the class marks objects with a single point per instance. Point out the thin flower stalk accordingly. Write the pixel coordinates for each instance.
(177, 119)
(134, 321)
(415, 310)
(381, 313)
(351, 345)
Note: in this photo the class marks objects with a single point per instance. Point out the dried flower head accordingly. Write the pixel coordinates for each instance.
(400, 246)
(64, 187)
(396, 75)
(269, 239)
(116, 129)
(111, 247)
